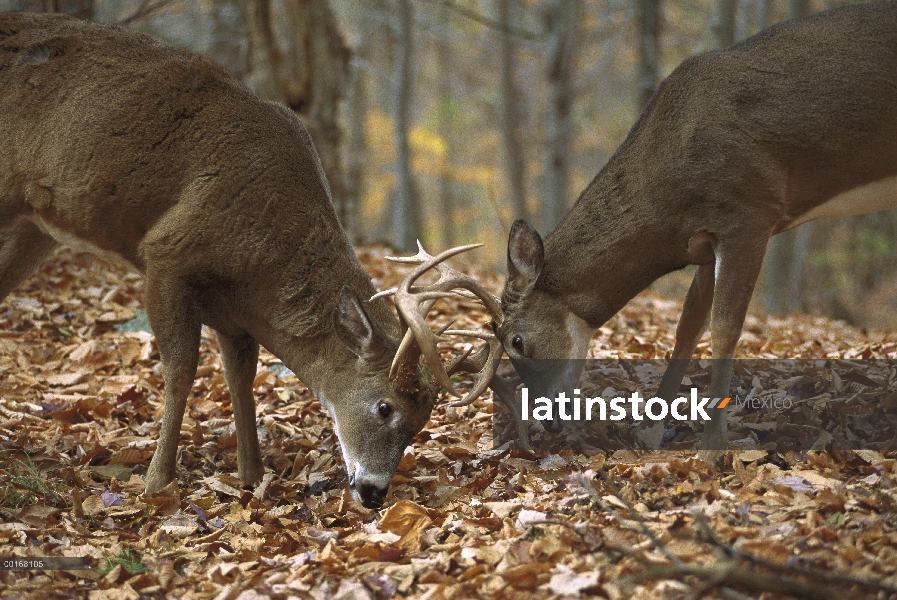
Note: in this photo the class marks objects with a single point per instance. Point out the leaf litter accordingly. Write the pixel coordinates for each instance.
(81, 404)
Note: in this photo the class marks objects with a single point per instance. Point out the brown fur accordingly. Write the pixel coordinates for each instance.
(165, 160)
(734, 147)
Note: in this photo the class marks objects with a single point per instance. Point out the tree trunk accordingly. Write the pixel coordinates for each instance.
(447, 182)
(783, 268)
(357, 155)
(510, 112)
(648, 17)
(406, 217)
(228, 30)
(560, 26)
(798, 8)
(724, 23)
(80, 9)
(298, 57)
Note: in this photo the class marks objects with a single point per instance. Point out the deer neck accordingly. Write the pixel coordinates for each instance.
(613, 243)
(295, 323)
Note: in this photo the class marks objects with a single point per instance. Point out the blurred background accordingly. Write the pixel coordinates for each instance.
(445, 120)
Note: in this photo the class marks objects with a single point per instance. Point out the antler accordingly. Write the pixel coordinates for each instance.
(414, 302)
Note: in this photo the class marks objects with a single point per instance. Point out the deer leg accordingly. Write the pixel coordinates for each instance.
(505, 389)
(175, 318)
(738, 266)
(22, 248)
(691, 325)
(240, 354)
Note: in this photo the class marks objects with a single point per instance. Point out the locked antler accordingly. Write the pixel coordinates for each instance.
(414, 302)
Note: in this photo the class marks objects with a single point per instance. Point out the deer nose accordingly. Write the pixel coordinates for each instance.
(371, 495)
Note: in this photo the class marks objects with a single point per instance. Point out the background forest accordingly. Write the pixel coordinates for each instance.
(444, 120)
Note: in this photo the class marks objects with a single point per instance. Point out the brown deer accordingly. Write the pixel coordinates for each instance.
(115, 142)
(796, 123)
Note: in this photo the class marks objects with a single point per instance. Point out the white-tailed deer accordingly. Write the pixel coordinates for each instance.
(115, 142)
(795, 123)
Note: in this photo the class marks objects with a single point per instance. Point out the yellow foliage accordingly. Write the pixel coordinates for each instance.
(424, 140)
(379, 186)
(378, 127)
(482, 174)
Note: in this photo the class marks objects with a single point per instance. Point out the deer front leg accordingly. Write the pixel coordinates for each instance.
(691, 325)
(505, 390)
(240, 354)
(22, 248)
(175, 319)
(738, 266)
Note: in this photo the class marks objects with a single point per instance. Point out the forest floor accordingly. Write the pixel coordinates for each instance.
(80, 406)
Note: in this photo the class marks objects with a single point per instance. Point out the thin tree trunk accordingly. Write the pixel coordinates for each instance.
(510, 111)
(266, 59)
(560, 25)
(80, 9)
(724, 23)
(798, 8)
(649, 31)
(298, 57)
(357, 155)
(765, 13)
(447, 202)
(406, 218)
(328, 68)
(228, 30)
(783, 268)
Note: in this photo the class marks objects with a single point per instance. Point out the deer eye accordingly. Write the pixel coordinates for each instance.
(384, 410)
(517, 343)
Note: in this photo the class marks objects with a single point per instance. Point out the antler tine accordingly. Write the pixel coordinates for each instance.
(414, 302)
(421, 256)
(412, 305)
(383, 294)
(469, 362)
(449, 279)
(484, 362)
(460, 363)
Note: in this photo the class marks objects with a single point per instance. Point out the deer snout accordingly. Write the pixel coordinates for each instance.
(371, 495)
(369, 491)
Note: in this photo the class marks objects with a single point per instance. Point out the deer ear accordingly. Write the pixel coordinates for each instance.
(355, 329)
(526, 255)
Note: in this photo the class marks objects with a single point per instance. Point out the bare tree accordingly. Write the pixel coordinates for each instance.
(81, 9)
(357, 151)
(297, 56)
(724, 23)
(445, 58)
(648, 16)
(510, 111)
(228, 35)
(784, 265)
(798, 8)
(406, 210)
(559, 18)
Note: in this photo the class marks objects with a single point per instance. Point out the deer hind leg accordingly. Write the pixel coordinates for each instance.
(691, 325)
(738, 266)
(239, 354)
(175, 318)
(22, 248)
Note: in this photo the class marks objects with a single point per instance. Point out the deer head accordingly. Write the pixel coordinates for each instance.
(544, 338)
(373, 434)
